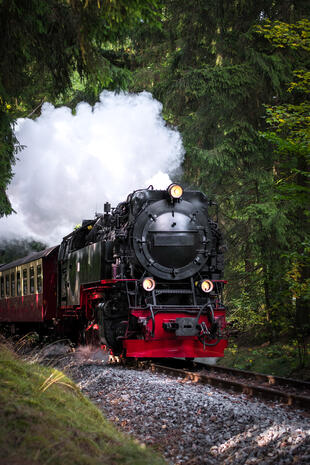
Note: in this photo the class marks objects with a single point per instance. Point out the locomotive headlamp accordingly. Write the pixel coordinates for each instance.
(175, 191)
(206, 285)
(148, 284)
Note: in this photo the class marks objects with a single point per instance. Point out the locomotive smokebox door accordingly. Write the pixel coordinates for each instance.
(172, 241)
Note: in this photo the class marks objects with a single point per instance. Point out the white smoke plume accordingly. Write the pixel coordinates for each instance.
(72, 164)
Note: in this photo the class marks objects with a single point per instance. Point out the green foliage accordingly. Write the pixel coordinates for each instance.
(7, 156)
(279, 359)
(44, 418)
(295, 36)
(290, 133)
(11, 250)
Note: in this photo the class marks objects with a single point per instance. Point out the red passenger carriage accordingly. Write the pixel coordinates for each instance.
(28, 289)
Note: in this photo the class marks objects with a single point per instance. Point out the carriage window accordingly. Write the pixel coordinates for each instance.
(2, 287)
(18, 284)
(39, 278)
(25, 282)
(7, 285)
(12, 284)
(31, 280)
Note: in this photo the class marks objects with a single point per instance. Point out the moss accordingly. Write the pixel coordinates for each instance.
(44, 419)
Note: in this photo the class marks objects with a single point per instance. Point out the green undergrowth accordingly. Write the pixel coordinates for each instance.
(279, 359)
(44, 419)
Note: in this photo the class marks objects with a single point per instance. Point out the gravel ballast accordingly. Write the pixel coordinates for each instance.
(195, 424)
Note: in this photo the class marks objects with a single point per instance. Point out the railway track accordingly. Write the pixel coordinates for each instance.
(287, 391)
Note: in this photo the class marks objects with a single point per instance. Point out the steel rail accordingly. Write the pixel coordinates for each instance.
(269, 379)
(287, 398)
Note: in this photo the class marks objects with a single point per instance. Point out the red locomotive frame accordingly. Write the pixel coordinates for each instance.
(157, 343)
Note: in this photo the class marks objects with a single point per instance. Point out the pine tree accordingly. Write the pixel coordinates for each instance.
(214, 74)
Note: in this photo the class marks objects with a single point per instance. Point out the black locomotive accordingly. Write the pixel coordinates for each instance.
(148, 275)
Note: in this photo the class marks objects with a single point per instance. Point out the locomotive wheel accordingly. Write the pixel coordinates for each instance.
(110, 329)
(111, 325)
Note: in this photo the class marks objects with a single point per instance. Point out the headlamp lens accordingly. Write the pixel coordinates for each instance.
(206, 285)
(175, 191)
(148, 284)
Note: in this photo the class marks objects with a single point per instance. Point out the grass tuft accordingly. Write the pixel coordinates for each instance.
(55, 377)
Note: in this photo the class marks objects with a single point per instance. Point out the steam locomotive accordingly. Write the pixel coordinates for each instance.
(144, 278)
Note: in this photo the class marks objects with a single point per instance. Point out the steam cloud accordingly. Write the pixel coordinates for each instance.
(72, 164)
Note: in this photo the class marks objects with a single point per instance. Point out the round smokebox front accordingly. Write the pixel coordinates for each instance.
(171, 240)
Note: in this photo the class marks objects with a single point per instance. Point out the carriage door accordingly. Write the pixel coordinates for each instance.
(63, 272)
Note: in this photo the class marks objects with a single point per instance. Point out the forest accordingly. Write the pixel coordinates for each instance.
(234, 79)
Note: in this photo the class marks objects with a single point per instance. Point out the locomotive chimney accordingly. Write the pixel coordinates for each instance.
(107, 207)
